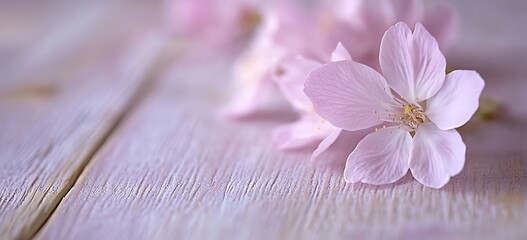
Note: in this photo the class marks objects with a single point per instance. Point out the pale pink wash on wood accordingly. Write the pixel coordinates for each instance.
(52, 122)
(175, 171)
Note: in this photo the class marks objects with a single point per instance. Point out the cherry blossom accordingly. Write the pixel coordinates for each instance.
(213, 24)
(289, 30)
(281, 36)
(310, 128)
(418, 105)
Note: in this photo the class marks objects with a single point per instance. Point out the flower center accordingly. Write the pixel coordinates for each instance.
(412, 117)
(405, 114)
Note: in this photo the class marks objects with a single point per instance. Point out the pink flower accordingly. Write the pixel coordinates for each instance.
(289, 30)
(362, 23)
(419, 106)
(281, 35)
(310, 128)
(212, 23)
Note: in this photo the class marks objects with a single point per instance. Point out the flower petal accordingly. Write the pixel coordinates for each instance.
(347, 94)
(342, 146)
(380, 158)
(252, 72)
(340, 53)
(457, 100)
(248, 100)
(437, 155)
(412, 63)
(308, 130)
(326, 143)
(290, 77)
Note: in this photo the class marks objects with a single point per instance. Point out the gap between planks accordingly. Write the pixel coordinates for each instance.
(152, 48)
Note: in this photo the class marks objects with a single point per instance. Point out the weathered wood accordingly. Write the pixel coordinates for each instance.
(173, 170)
(52, 122)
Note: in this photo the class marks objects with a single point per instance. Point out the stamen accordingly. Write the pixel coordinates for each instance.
(406, 109)
(407, 115)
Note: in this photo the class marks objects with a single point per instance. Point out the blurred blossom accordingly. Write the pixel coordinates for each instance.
(310, 128)
(281, 35)
(360, 24)
(213, 23)
(293, 29)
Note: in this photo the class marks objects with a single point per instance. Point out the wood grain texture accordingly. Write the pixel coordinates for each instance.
(174, 170)
(52, 122)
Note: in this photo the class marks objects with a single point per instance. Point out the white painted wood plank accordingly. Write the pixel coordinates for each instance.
(51, 123)
(173, 170)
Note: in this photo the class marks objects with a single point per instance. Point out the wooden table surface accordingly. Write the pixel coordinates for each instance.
(110, 130)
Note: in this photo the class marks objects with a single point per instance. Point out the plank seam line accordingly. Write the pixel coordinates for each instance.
(149, 79)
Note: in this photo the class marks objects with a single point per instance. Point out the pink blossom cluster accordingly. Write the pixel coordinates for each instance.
(211, 23)
(370, 68)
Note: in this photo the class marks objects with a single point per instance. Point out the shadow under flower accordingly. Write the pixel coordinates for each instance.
(496, 157)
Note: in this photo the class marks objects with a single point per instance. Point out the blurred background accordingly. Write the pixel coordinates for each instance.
(48, 39)
(70, 59)
(49, 50)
